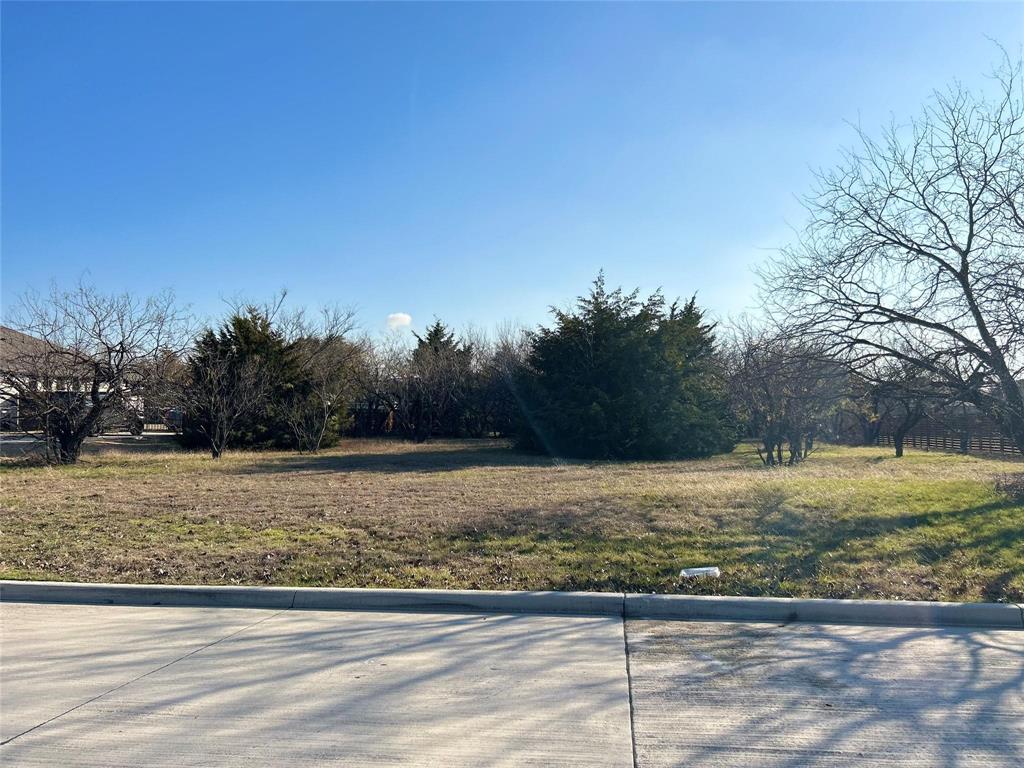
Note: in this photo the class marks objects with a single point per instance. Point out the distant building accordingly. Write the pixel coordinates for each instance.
(15, 349)
(27, 363)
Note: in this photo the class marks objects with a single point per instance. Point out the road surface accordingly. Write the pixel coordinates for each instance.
(156, 686)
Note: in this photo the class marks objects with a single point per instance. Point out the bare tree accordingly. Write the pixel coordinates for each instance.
(497, 362)
(784, 390)
(380, 376)
(442, 385)
(326, 361)
(898, 397)
(421, 388)
(221, 389)
(437, 381)
(82, 356)
(914, 251)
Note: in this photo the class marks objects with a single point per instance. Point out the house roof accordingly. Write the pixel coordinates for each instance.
(15, 344)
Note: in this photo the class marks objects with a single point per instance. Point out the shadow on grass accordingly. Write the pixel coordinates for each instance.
(985, 535)
(613, 546)
(430, 460)
(454, 455)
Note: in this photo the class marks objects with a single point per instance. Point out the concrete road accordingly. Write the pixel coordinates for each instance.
(106, 686)
(729, 694)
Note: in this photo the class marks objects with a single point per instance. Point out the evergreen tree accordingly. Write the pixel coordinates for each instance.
(254, 337)
(245, 350)
(621, 377)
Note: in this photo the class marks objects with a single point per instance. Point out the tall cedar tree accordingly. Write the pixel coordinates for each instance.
(251, 346)
(621, 378)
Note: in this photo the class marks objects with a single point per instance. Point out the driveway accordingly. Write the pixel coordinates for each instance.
(158, 686)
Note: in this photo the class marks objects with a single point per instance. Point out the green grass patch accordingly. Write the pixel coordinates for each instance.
(850, 522)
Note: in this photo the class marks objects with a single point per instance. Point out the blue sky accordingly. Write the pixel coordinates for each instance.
(473, 162)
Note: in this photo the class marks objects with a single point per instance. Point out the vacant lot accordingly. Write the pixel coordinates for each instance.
(851, 522)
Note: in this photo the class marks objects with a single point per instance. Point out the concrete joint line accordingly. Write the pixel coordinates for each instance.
(140, 677)
(627, 606)
(629, 686)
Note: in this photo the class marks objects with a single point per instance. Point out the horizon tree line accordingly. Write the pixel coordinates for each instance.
(902, 296)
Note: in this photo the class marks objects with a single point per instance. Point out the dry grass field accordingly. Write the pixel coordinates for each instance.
(851, 522)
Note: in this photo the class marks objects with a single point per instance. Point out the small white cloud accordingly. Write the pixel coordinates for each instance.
(399, 320)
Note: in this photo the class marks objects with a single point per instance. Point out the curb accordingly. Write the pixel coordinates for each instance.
(145, 594)
(901, 613)
(314, 598)
(469, 600)
(681, 607)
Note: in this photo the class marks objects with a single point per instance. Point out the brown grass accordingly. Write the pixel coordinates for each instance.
(851, 522)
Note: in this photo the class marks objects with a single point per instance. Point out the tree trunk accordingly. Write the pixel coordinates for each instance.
(65, 447)
(218, 440)
(1013, 428)
(897, 440)
(871, 430)
(796, 450)
(1011, 416)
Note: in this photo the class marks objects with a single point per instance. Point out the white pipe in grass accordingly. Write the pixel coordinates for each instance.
(693, 573)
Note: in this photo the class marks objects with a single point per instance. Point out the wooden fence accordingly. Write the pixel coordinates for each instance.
(960, 433)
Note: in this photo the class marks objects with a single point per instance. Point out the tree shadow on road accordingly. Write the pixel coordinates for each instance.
(311, 688)
(810, 695)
